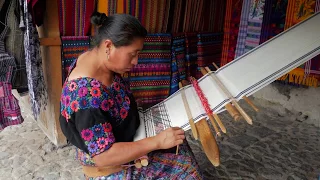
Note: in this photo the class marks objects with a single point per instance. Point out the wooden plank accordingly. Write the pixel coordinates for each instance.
(55, 41)
(51, 58)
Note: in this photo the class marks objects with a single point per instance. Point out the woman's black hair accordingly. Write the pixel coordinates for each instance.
(121, 29)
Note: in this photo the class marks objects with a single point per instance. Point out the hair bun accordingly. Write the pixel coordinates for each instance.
(98, 18)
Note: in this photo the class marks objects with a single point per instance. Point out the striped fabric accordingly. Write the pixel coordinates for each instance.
(254, 24)
(307, 74)
(243, 27)
(74, 17)
(209, 50)
(231, 29)
(150, 79)
(72, 47)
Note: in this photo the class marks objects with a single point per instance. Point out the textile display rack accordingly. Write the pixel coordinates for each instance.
(242, 77)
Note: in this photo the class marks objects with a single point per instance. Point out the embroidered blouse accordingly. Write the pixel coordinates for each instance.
(94, 116)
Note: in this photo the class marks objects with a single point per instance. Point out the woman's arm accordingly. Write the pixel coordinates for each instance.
(124, 152)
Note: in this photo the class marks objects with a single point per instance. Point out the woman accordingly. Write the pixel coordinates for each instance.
(99, 114)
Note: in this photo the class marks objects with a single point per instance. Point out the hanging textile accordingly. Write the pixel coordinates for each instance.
(191, 50)
(150, 78)
(255, 21)
(231, 29)
(309, 73)
(243, 27)
(10, 113)
(72, 47)
(74, 17)
(36, 84)
(178, 69)
(10, 17)
(209, 50)
(273, 19)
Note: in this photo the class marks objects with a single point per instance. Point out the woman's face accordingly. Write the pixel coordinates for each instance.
(124, 58)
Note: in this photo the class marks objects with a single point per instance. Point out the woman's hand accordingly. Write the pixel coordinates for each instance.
(169, 138)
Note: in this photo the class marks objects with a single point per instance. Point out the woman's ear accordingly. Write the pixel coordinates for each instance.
(108, 46)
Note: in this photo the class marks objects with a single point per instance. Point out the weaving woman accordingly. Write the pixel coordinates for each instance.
(99, 114)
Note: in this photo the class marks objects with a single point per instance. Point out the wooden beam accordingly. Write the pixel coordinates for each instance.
(55, 41)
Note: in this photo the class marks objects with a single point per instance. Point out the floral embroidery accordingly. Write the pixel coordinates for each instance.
(83, 93)
(98, 138)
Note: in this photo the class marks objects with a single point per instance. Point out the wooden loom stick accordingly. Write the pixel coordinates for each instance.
(207, 140)
(186, 106)
(244, 97)
(234, 102)
(205, 105)
(232, 111)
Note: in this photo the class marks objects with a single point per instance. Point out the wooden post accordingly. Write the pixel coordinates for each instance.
(50, 42)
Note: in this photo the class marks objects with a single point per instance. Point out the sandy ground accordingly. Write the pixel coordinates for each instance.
(279, 145)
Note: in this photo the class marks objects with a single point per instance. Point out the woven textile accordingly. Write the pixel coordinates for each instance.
(74, 17)
(209, 50)
(231, 29)
(150, 79)
(243, 27)
(307, 74)
(254, 24)
(72, 47)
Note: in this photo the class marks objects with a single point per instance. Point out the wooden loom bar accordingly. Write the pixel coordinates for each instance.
(207, 140)
(232, 111)
(234, 102)
(55, 41)
(213, 117)
(244, 97)
(187, 107)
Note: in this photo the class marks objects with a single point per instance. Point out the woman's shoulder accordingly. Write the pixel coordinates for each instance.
(83, 93)
(86, 93)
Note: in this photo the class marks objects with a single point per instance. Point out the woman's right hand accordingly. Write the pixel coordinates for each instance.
(169, 138)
